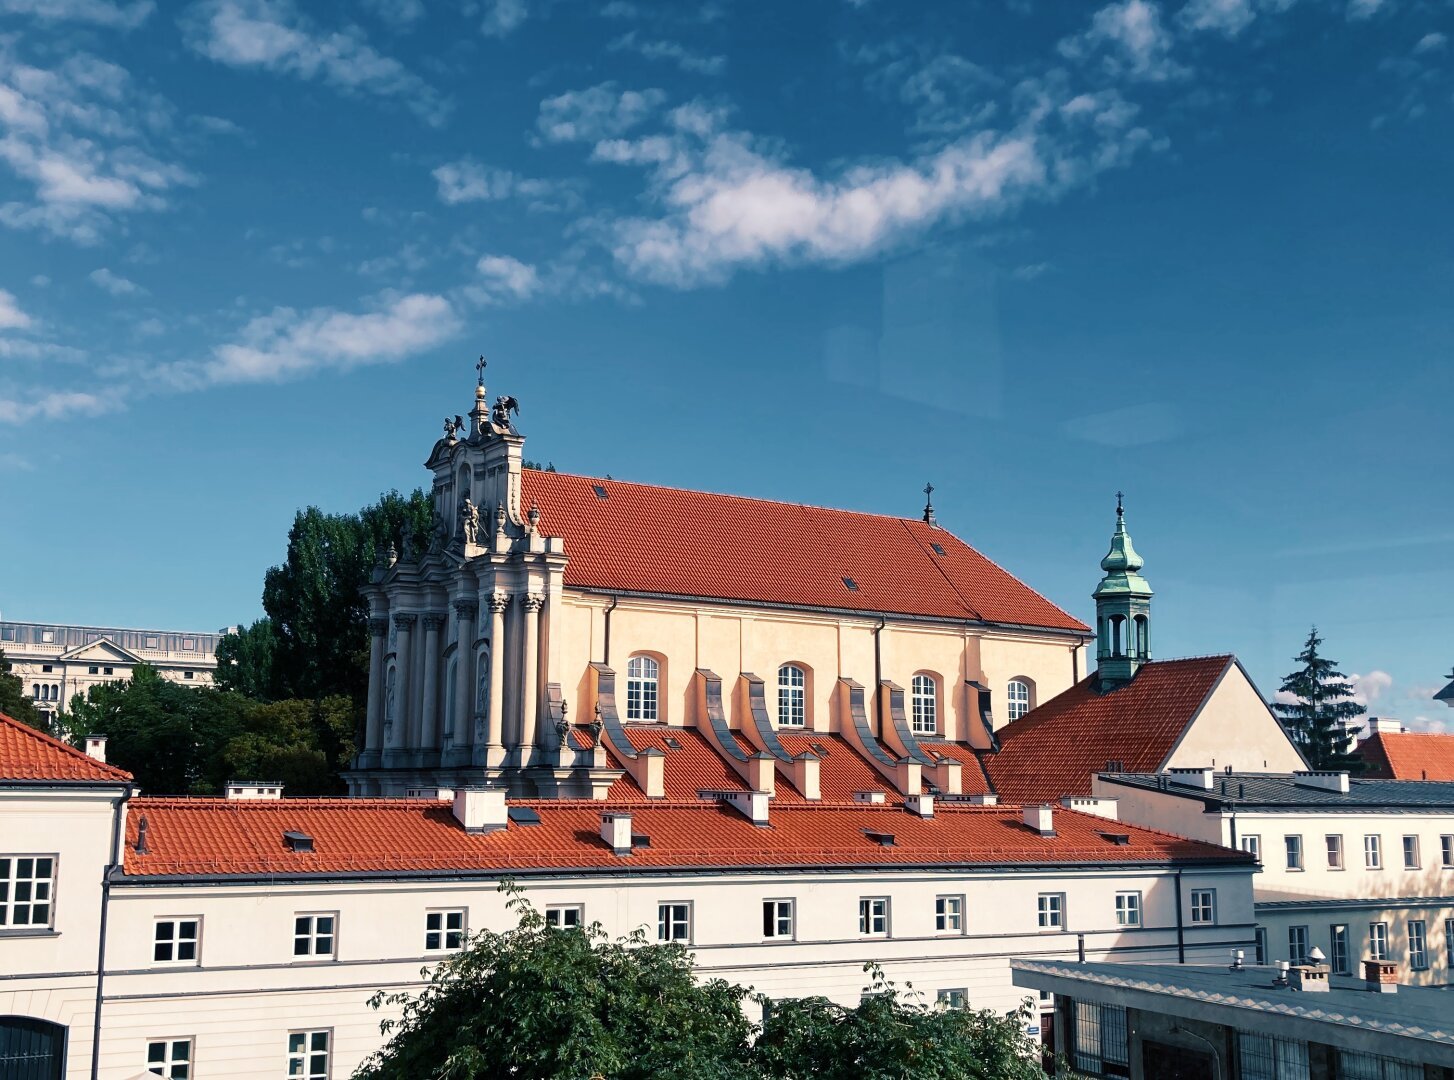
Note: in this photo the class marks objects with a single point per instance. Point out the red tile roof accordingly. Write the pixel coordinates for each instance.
(972, 779)
(187, 836)
(691, 766)
(692, 543)
(27, 754)
(1053, 750)
(842, 772)
(1408, 756)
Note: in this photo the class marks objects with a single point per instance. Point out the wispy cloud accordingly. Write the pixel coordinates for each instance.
(11, 317)
(51, 405)
(467, 181)
(503, 17)
(1431, 43)
(1359, 10)
(272, 35)
(597, 112)
(115, 284)
(399, 14)
(503, 279)
(670, 51)
(947, 93)
(124, 16)
(1227, 17)
(1127, 39)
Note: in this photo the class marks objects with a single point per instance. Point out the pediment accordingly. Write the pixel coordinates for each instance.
(103, 650)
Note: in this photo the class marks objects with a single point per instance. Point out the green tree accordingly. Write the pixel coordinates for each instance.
(293, 742)
(1323, 704)
(13, 700)
(245, 661)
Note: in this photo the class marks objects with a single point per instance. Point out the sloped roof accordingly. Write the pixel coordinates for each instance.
(673, 542)
(189, 836)
(1054, 750)
(1408, 756)
(28, 754)
(692, 765)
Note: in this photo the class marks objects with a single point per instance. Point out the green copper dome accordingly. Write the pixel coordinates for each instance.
(1122, 564)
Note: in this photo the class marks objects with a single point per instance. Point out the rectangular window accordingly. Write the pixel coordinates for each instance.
(189, 644)
(949, 914)
(1355, 1066)
(1378, 941)
(1449, 943)
(1411, 852)
(153, 642)
(777, 918)
(1335, 851)
(109, 671)
(952, 999)
(187, 674)
(47, 637)
(314, 935)
(308, 1054)
(1050, 911)
(1418, 945)
(93, 669)
(873, 915)
(443, 930)
(1261, 951)
(1338, 938)
(1100, 1039)
(1373, 851)
(1204, 906)
(1297, 944)
(175, 941)
(27, 886)
(1128, 909)
(1264, 1057)
(1446, 850)
(674, 922)
(565, 916)
(47, 668)
(1294, 845)
(1253, 846)
(171, 1058)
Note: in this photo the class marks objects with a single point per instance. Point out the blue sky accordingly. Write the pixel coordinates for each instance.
(1200, 250)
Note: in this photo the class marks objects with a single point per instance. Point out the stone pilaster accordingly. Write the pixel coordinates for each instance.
(465, 676)
(403, 666)
(429, 717)
(530, 681)
(374, 716)
(495, 719)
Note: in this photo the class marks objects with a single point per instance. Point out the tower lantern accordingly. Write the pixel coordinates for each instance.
(1123, 609)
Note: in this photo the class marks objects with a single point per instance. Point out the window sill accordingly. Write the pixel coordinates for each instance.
(30, 932)
(313, 961)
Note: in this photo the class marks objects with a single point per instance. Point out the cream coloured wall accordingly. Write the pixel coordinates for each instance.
(1320, 920)
(1049, 664)
(1236, 728)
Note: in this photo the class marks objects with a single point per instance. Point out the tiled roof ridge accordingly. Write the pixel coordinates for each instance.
(939, 569)
(53, 743)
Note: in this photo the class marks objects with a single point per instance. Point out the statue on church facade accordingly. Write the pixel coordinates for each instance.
(469, 521)
(504, 406)
(438, 532)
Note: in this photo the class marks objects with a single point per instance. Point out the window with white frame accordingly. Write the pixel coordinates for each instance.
(308, 1054)
(174, 941)
(642, 675)
(1338, 939)
(1294, 847)
(924, 704)
(792, 696)
(1050, 911)
(1297, 944)
(1446, 850)
(1203, 906)
(873, 916)
(777, 918)
(1378, 941)
(952, 999)
(315, 935)
(1335, 850)
(1373, 851)
(949, 914)
(1017, 699)
(1418, 945)
(565, 916)
(1411, 852)
(674, 922)
(444, 930)
(1128, 909)
(171, 1058)
(27, 889)
(1252, 844)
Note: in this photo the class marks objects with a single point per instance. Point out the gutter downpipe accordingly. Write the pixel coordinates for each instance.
(606, 660)
(1180, 927)
(111, 867)
(878, 674)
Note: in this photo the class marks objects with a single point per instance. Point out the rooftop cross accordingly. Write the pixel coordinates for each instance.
(480, 367)
(929, 503)
(1119, 497)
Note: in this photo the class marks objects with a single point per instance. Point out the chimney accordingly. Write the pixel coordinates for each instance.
(750, 804)
(1323, 781)
(1041, 819)
(923, 805)
(480, 809)
(1310, 978)
(1384, 725)
(1381, 976)
(96, 747)
(1096, 805)
(871, 798)
(254, 789)
(807, 768)
(1198, 777)
(616, 831)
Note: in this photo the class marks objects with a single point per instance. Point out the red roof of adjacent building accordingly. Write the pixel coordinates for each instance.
(697, 544)
(1054, 750)
(28, 754)
(216, 836)
(1408, 756)
(691, 766)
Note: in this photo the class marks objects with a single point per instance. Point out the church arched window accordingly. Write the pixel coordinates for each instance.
(35, 691)
(792, 696)
(642, 681)
(924, 704)
(1017, 698)
(1143, 637)
(1118, 630)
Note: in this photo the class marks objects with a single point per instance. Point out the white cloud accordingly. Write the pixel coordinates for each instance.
(503, 17)
(1433, 42)
(400, 14)
(114, 283)
(1130, 41)
(595, 113)
(466, 181)
(11, 317)
(1367, 689)
(51, 405)
(1358, 10)
(273, 36)
(122, 16)
(671, 51)
(503, 278)
(15, 463)
(1229, 17)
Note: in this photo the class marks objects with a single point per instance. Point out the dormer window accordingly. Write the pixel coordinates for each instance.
(924, 704)
(792, 696)
(642, 680)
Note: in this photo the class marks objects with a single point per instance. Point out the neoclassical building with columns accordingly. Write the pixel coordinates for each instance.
(556, 625)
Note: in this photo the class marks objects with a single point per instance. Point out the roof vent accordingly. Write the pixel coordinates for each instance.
(1040, 818)
(141, 829)
(523, 815)
(1323, 781)
(298, 841)
(1120, 839)
(819, 749)
(873, 798)
(882, 839)
(616, 831)
(1115, 765)
(600, 491)
(850, 584)
(938, 548)
(640, 839)
(671, 743)
(923, 805)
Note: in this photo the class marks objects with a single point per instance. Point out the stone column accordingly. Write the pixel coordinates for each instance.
(495, 720)
(374, 717)
(529, 688)
(403, 663)
(429, 719)
(465, 675)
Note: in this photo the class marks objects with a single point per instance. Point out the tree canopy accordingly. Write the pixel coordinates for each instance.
(14, 702)
(565, 1004)
(1322, 705)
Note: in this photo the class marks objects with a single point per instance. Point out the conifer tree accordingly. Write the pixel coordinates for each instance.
(1316, 720)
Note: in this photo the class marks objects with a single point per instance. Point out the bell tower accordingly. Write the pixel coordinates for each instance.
(1123, 610)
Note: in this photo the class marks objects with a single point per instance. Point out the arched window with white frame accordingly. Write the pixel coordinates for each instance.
(792, 696)
(643, 675)
(1017, 698)
(924, 704)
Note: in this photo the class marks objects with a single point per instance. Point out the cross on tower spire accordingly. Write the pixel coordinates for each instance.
(1119, 511)
(929, 504)
(480, 367)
